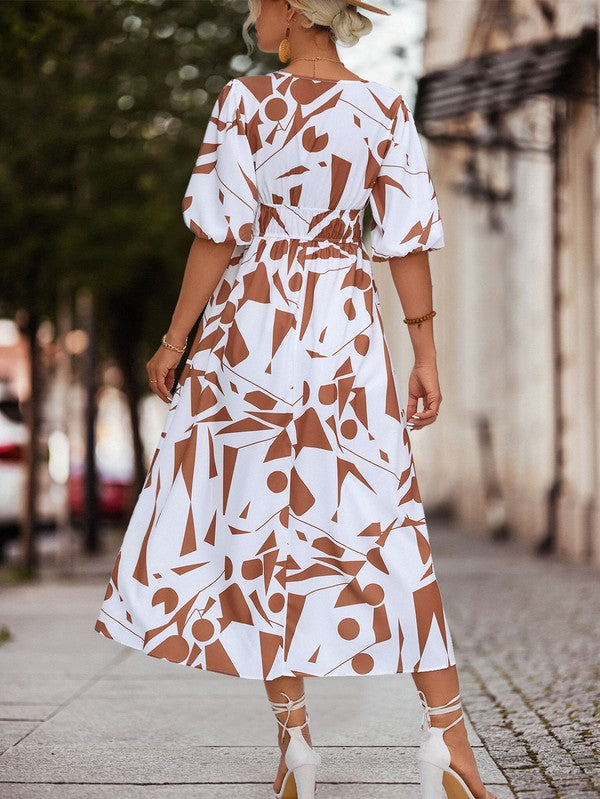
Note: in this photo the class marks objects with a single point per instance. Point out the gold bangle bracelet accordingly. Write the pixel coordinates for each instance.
(166, 344)
(416, 320)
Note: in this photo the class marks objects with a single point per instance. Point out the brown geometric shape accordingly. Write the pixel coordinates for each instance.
(295, 281)
(277, 481)
(257, 286)
(310, 432)
(229, 459)
(428, 603)
(228, 569)
(270, 644)
(188, 567)
(203, 630)
(167, 597)
(217, 659)
(328, 546)
(350, 310)
(276, 602)
(260, 400)
(275, 109)
(412, 493)
(236, 348)
(351, 594)
(251, 569)
(381, 626)
(174, 648)
(269, 543)
(349, 428)
(424, 546)
(375, 558)
(348, 628)
(361, 344)
(209, 538)
(140, 573)
(233, 607)
(362, 663)
(301, 498)
(295, 606)
(312, 142)
(189, 537)
(373, 593)
(280, 447)
(328, 393)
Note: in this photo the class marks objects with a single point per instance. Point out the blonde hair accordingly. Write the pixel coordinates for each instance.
(346, 24)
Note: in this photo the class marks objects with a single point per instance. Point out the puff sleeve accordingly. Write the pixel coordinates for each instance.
(406, 216)
(221, 197)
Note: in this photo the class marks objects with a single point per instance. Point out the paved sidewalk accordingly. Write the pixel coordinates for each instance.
(83, 717)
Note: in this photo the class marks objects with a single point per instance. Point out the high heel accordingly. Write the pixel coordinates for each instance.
(301, 760)
(438, 779)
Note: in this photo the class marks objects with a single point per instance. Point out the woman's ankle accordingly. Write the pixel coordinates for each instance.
(444, 719)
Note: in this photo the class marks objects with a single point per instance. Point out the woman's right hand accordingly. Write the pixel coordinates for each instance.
(161, 371)
(423, 383)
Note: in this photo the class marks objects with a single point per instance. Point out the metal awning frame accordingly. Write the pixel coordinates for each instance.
(498, 82)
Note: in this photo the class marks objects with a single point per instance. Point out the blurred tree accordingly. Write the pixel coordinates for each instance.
(103, 106)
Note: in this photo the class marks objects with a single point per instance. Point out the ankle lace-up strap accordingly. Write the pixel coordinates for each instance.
(291, 704)
(451, 704)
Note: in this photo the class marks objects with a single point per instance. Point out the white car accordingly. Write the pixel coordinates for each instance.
(14, 437)
(13, 443)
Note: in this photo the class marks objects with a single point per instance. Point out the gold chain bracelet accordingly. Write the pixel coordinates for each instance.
(166, 344)
(416, 320)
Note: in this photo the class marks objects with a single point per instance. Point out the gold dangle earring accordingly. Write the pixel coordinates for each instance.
(284, 47)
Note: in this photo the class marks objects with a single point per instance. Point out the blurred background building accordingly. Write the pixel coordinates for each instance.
(508, 104)
(94, 250)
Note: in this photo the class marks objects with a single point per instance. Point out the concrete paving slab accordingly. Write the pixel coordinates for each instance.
(41, 644)
(11, 732)
(386, 712)
(195, 791)
(36, 689)
(140, 666)
(28, 711)
(112, 761)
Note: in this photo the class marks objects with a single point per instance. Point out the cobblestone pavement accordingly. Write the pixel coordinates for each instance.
(528, 655)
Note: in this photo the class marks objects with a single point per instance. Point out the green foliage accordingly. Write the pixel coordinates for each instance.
(103, 106)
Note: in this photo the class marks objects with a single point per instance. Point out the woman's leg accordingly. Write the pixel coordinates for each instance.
(439, 687)
(294, 688)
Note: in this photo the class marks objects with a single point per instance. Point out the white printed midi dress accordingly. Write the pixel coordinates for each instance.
(280, 529)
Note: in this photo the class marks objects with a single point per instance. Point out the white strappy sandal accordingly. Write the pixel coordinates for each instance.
(438, 779)
(301, 760)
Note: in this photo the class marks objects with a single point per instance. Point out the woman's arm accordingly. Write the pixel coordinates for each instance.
(206, 263)
(207, 260)
(412, 278)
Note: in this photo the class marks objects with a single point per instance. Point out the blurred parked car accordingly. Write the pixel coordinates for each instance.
(114, 495)
(114, 458)
(13, 471)
(13, 442)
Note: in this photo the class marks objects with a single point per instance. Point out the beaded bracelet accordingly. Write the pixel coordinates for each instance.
(418, 319)
(166, 344)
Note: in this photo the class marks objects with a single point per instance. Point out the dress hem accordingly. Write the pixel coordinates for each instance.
(262, 678)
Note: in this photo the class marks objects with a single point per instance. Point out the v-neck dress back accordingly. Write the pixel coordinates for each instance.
(280, 529)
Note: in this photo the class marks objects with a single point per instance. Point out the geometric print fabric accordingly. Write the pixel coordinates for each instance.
(280, 528)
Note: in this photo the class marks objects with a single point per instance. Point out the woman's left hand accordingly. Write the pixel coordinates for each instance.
(423, 384)
(161, 371)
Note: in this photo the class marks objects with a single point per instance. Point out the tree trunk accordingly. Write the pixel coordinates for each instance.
(90, 520)
(134, 395)
(31, 411)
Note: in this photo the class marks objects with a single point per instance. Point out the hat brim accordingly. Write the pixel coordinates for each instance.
(368, 7)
